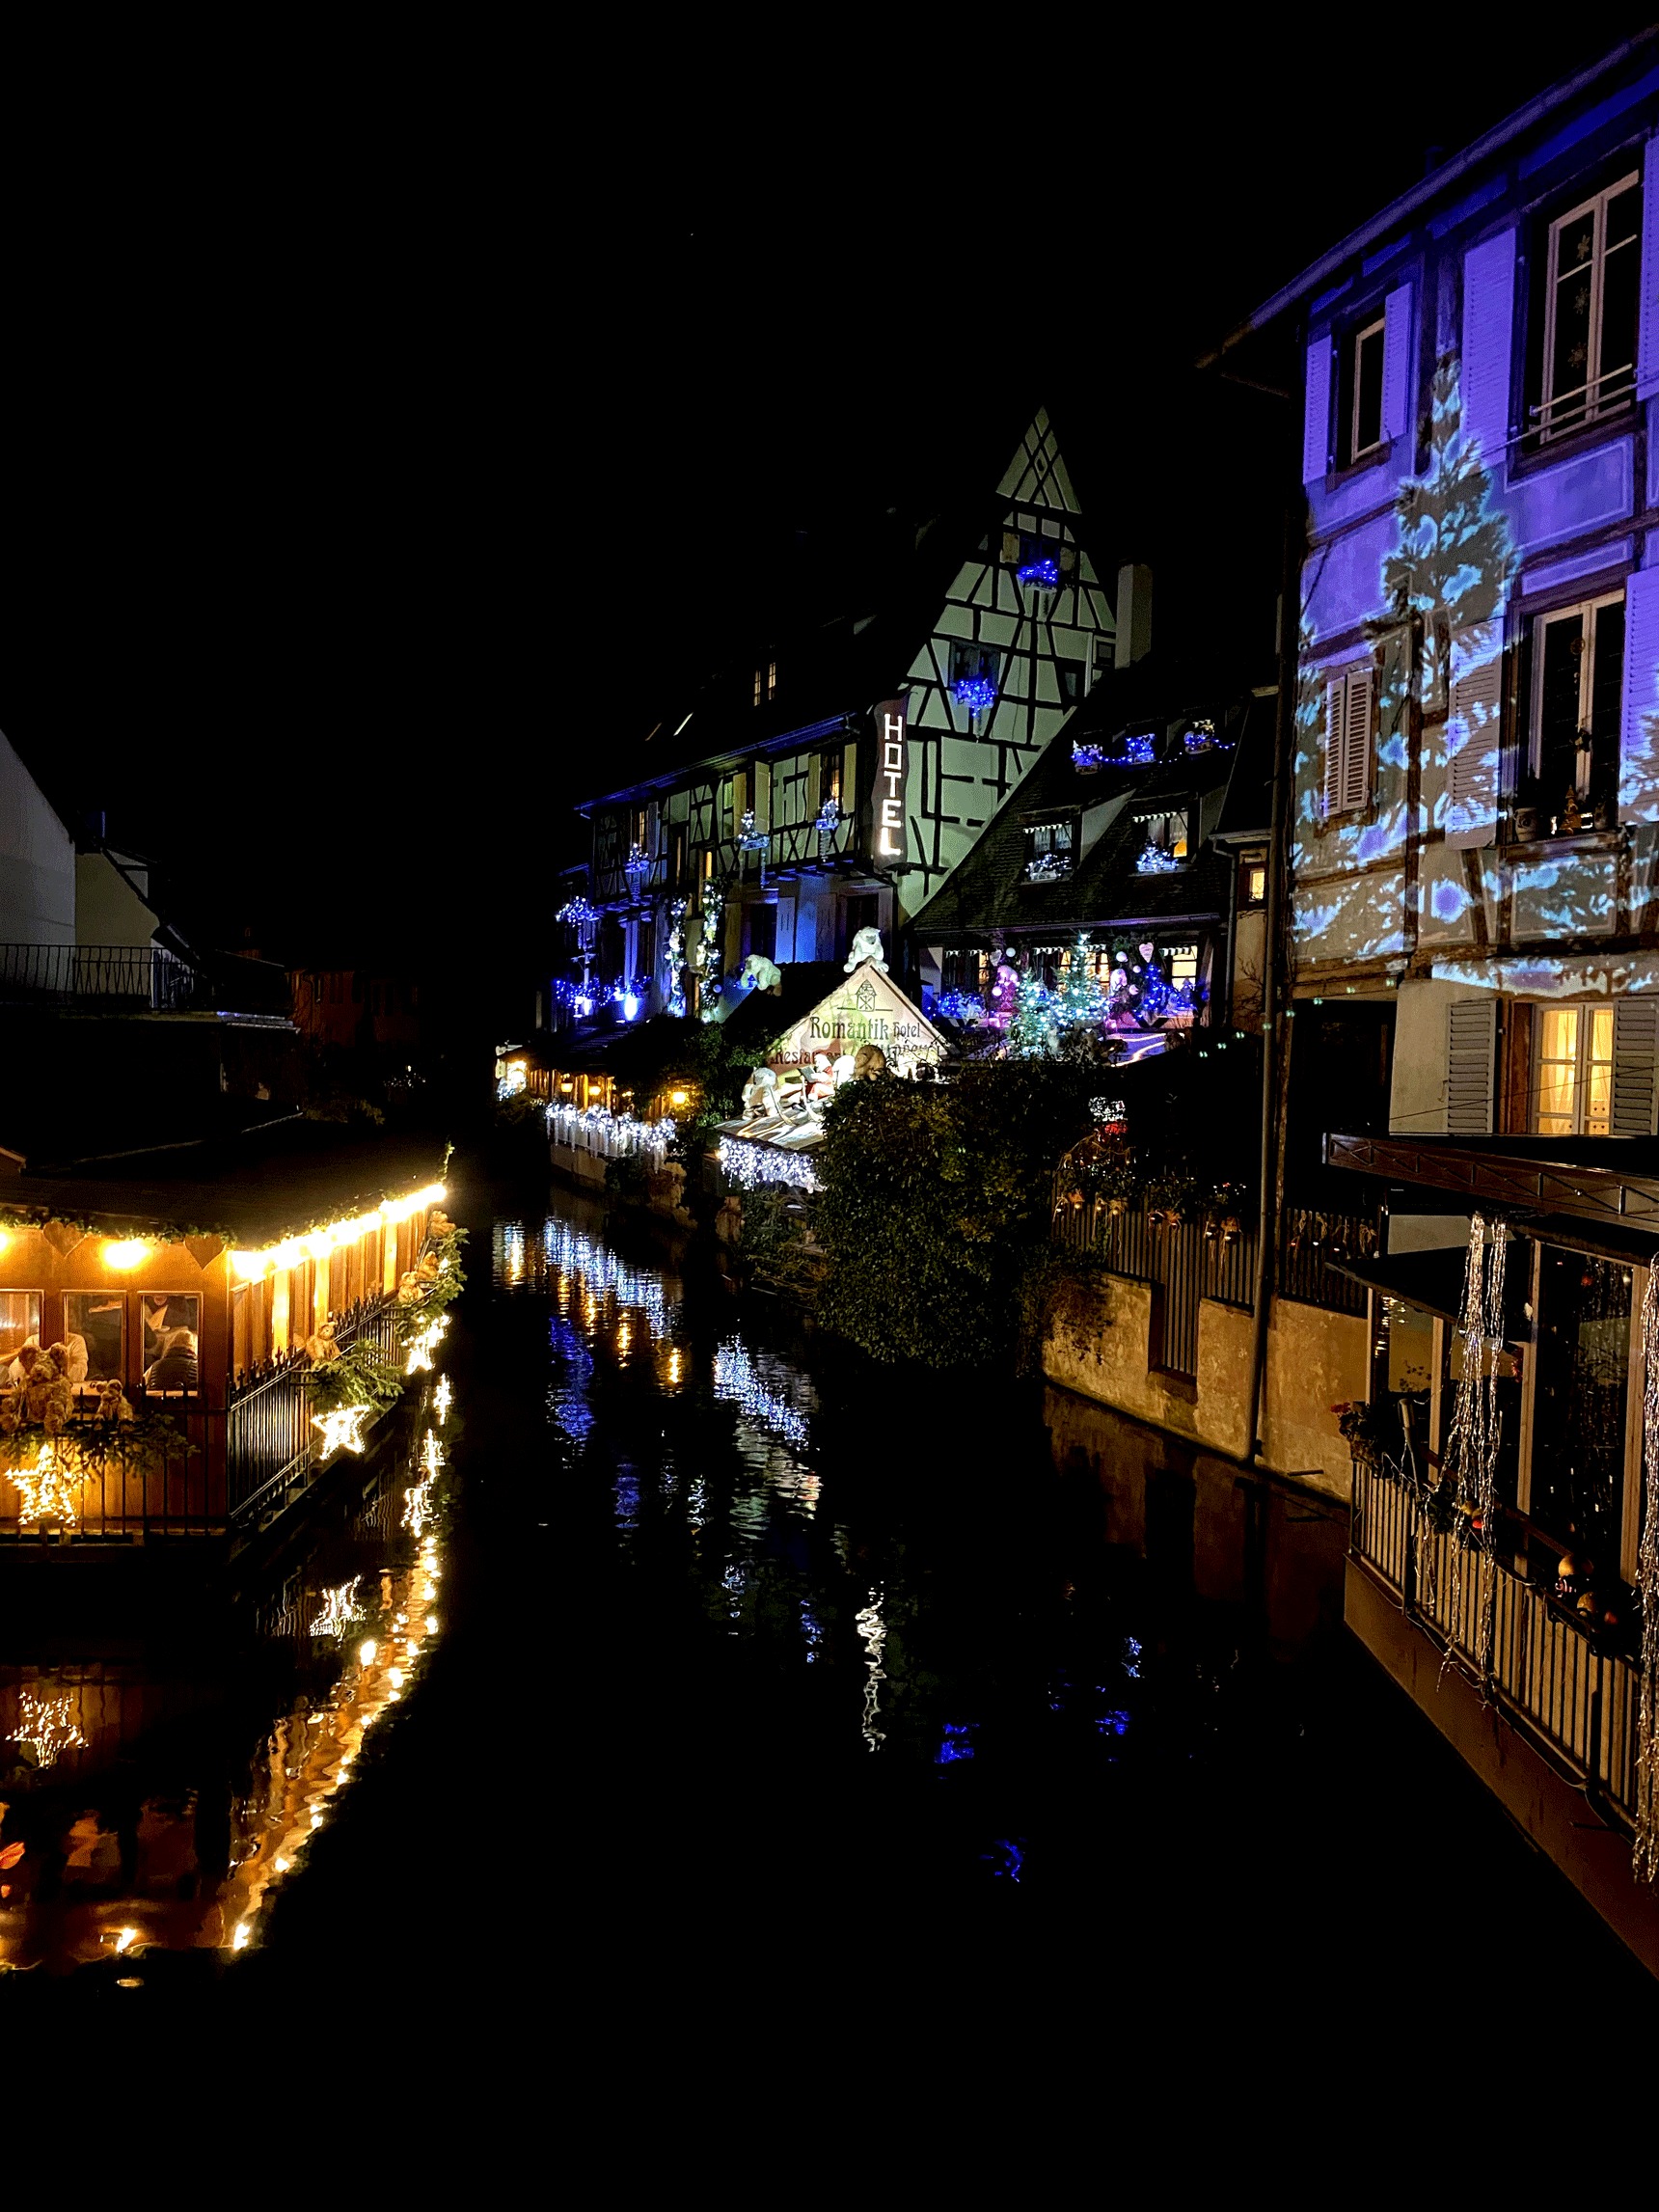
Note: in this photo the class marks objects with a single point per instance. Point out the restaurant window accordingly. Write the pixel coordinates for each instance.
(1577, 683)
(172, 1334)
(1050, 849)
(19, 1321)
(1574, 1082)
(1584, 353)
(98, 1319)
(1579, 1412)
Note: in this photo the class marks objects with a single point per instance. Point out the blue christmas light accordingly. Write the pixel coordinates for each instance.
(578, 910)
(829, 818)
(1134, 749)
(978, 694)
(960, 1006)
(1155, 862)
(1042, 572)
(1089, 755)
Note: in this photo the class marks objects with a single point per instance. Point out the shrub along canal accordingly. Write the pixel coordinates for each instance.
(735, 1639)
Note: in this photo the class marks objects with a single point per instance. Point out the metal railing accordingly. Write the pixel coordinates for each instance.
(1310, 1238)
(130, 978)
(1185, 1262)
(1572, 1699)
(271, 1445)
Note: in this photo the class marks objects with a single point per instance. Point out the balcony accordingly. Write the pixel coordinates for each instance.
(1573, 1700)
(138, 978)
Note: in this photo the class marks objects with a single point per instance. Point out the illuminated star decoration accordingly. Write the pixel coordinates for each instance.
(48, 1490)
(338, 1610)
(47, 1727)
(341, 1429)
(422, 1344)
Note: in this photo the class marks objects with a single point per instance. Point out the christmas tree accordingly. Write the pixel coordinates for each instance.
(1080, 1001)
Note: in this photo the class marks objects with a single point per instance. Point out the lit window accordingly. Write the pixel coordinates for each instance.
(1575, 1071)
(1165, 845)
(1577, 700)
(1050, 849)
(1593, 291)
(1253, 879)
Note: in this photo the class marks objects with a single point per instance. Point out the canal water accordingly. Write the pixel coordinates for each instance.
(684, 1658)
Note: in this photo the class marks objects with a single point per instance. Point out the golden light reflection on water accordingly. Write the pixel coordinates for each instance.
(297, 1776)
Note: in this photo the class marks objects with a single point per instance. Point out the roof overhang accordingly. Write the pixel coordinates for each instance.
(1530, 1187)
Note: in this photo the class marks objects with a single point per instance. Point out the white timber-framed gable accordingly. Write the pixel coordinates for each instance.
(1035, 640)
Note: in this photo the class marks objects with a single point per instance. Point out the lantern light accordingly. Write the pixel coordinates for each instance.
(124, 1252)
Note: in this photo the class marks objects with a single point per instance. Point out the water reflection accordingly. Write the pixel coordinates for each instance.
(161, 1785)
(983, 1585)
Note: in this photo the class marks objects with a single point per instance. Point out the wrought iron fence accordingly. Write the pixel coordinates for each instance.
(1576, 1701)
(1185, 1262)
(1310, 1238)
(133, 977)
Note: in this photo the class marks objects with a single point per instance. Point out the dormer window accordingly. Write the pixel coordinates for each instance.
(1165, 846)
(1050, 849)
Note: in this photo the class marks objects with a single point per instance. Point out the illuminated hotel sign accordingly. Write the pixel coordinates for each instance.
(890, 742)
(867, 1009)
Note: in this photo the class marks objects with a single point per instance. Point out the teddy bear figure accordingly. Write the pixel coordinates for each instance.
(41, 1386)
(112, 1403)
(321, 1347)
(866, 945)
(439, 1224)
(869, 1060)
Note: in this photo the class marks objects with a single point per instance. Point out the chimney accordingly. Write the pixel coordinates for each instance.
(1135, 613)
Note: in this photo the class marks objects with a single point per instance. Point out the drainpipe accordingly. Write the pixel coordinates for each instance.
(1273, 978)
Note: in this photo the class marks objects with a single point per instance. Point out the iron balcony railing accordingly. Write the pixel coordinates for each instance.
(1312, 1242)
(132, 978)
(794, 848)
(224, 1466)
(1575, 1700)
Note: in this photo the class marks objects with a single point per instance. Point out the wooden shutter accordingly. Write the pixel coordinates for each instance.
(1316, 413)
(1471, 1057)
(1356, 743)
(1471, 739)
(1396, 363)
(1488, 324)
(1336, 693)
(1638, 742)
(1647, 328)
(1635, 1066)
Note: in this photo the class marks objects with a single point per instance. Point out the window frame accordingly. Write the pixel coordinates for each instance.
(1544, 429)
(1067, 819)
(40, 1306)
(1537, 624)
(1584, 1061)
(1375, 327)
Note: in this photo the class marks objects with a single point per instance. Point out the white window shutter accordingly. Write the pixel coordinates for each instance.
(1473, 731)
(1639, 740)
(1488, 335)
(1316, 413)
(1635, 1066)
(1471, 1059)
(1396, 363)
(1648, 330)
(1356, 743)
(1336, 692)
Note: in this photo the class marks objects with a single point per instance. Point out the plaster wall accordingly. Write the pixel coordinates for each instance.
(108, 910)
(1417, 1101)
(1315, 1359)
(37, 861)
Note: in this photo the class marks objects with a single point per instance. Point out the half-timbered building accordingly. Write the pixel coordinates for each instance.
(834, 782)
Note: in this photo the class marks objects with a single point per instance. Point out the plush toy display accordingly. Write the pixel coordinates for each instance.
(866, 945)
(758, 974)
(112, 1405)
(869, 1060)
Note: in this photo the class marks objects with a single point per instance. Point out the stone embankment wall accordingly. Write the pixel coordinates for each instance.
(1100, 1345)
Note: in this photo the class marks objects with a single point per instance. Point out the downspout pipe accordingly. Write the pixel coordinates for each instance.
(1273, 979)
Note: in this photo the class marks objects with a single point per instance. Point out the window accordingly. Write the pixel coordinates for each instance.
(1050, 849)
(864, 912)
(1071, 676)
(1037, 558)
(1348, 742)
(975, 674)
(1574, 1084)
(98, 1318)
(763, 931)
(1252, 879)
(765, 682)
(19, 1321)
(1592, 293)
(1577, 679)
(173, 1330)
(1165, 846)
(1579, 1409)
(1364, 373)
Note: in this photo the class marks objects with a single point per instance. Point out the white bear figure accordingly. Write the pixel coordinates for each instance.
(759, 1094)
(866, 945)
(758, 974)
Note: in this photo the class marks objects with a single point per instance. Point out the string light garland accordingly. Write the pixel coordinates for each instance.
(249, 1267)
(342, 1428)
(978, 694)
(340, 1610)
(737, 1379)
(47, 1726)
(442, 1397)
(1042, 572)
(748, 1165)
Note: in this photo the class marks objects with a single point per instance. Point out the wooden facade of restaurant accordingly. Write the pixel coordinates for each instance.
(209, 1335)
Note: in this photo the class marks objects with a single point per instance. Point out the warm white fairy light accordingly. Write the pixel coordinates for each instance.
(418, 1506)
(431, 1454)
(365, 1652)
(49, 1491)
(442, 1398)
(342, 1428)
(47, 1726)
(338, 1610)
(249, 1267)
(424, 1343)
(748, 1164)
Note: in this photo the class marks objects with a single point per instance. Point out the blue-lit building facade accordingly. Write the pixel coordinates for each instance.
(1470, 861)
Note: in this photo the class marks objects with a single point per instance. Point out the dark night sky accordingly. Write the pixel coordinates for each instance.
(375, 464)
